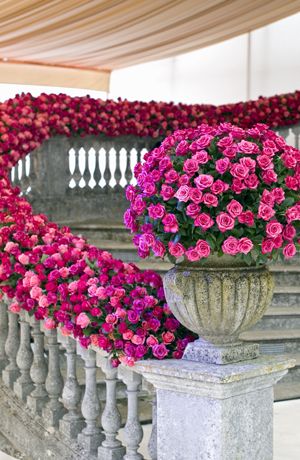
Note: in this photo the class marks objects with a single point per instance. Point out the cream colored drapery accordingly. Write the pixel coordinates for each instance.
(78, 42)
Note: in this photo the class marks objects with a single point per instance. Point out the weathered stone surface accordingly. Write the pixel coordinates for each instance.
(206, 411)
(205, 352)
(218, 301)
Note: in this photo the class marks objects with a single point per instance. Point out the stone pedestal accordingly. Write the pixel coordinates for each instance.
(216, 412)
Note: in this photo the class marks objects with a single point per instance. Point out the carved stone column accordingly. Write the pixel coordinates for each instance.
(24, 385)
(3, 334)
(111, 448)
(91, 436)
(133, 429)
(72, 422)
(11, 371)
(54, 409)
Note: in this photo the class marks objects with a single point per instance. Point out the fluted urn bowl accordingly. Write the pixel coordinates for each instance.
(220, 299)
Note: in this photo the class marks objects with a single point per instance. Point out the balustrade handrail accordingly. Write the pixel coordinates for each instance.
(32, 372)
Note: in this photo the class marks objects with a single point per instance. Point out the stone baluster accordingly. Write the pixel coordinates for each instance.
(38, 371)
(3, 334)
(11, 371)
(76, 174)
(91, 436)
(54, 409)
(25, 182)
(72, 422)
(133, 429)
(118, 173)
(18, 174)
(152, 444)
(284, 132)
(296, 132)
(24, 385)
(86, 173)
(107, 171)
(128, 170)
(111, 448)
(97, 172)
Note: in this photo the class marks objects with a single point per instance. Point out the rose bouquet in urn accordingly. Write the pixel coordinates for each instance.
(222, 190)
(220, 201)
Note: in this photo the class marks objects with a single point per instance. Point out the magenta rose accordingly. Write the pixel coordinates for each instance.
(192, 254)
(289, 250)
(245, 245)
(190, 166)
(273, 229)
(204, 181)
(204, 221)
(160, 351)
(176, 249)
(182, 193)
(210, 200)
(193, 210)
(225, 222)
(265, 212)
(267, 246)
(167, 192)
(195, 195)
(170, 223)
(222, 165)
(230, 246)
(234, 208)
(203, 248)
(156, 211)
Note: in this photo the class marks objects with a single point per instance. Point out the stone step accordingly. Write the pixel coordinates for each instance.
(288, 296)
(284, 391)
(275, 340)
(280, 318)
(97, 231)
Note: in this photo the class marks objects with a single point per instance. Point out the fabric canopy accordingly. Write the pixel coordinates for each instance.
(95, 36)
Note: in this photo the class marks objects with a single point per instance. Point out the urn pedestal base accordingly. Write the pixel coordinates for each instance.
(206, 411)
(205, 352)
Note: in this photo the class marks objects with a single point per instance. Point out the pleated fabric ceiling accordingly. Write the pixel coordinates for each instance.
(77, 43)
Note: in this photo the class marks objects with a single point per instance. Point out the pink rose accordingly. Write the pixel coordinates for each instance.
(268, 198)
(204, 181)
(237, 186)
(252, 181)
(156, 211)
(222, 165)
(158, 248)
(128, 335)
(168, 337)
(151, 341)
(239, 171)
(267, 246)
(293, 214)
(248, 147)
(167, 192)
(190, 167)
(201, 157)
(201, 143)
(289, 251)
(204, 221)
(210, 200)
(203, 248)
(265, 212)
(225, 222)
(36, 292)
(160, 351)
(193, 210)
(219, 187)
(245, 245)
(192, 254)
(176, 249)
(246, 217)
(182, 193)
(289, 232)
(264, 161)
(273, 229)
(269, 176)
(23, 259)
(234, 208)
(171, 176)
(278, 195)
(230, 246)
(137, 340)
(49, 323)
(170, 223)
(82, 320)
(195, 195)
(14, 307)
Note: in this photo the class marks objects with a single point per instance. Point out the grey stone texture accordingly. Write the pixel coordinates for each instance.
(207, 411)
(218, 300)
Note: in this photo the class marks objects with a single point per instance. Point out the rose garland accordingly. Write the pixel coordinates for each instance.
(222, 189)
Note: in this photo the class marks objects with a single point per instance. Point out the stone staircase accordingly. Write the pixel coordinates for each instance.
(277, 332)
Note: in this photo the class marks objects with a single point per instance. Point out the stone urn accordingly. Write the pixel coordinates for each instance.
(218, 300)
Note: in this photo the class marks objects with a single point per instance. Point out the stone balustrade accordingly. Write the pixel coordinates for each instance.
(51, 396)
(74, 179)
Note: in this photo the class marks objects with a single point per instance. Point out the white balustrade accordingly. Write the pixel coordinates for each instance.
(11, 371)
(3, 334)
(133, 429)
(24, 385)
(72, 422)
(91, 436)
(111, 448)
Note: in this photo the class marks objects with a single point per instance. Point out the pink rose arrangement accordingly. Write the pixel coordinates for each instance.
(217, 189)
